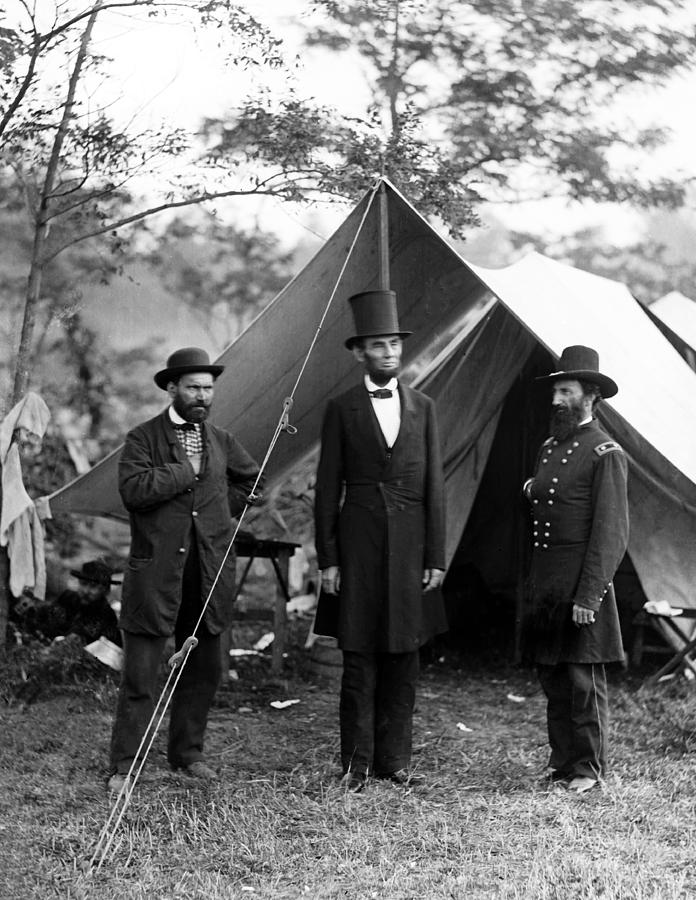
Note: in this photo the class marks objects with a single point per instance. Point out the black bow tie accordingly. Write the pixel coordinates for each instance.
(381, 394)
(184, 426)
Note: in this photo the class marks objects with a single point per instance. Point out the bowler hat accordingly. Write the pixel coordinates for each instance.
(582, 364)
(95, 571)
(374, 313)
(181, 362)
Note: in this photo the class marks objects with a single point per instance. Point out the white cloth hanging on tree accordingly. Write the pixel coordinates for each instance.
(21, 530)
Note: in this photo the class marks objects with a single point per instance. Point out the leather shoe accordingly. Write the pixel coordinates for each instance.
(581, 784)
(116, 782)
(403, 778)
(199, 769)
(353, 782)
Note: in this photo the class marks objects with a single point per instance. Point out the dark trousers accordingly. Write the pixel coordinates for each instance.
(378, 693)
(194, 692)
(577, 717)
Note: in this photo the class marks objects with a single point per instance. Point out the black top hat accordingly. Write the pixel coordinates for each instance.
(582, 363)
(181, 362)
(374, 313)
(95, 571)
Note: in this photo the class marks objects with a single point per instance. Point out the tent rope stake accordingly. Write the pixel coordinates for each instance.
(178, 660)
(122, 801)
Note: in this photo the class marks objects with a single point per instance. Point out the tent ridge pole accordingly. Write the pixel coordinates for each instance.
(383, 239)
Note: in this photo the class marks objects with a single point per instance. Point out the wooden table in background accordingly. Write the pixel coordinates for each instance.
(249, 547)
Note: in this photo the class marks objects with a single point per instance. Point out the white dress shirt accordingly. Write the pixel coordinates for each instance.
(387, 410)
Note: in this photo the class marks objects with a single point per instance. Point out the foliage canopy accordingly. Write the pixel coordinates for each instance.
(492, 99)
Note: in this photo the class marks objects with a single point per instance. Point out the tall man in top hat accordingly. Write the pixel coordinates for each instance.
(580, 534)
(182, 480)
(379, 516)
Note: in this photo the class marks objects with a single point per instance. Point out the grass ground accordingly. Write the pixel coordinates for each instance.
(278, 826)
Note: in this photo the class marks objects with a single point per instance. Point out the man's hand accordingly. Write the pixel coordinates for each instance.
(432, 578)
(331, 580)
(582, 615)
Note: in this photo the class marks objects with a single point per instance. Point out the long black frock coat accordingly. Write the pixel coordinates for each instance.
(169, 507)
(379, 515)
(580, 534)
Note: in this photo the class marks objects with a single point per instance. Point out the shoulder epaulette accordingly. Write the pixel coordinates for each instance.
(607, 447)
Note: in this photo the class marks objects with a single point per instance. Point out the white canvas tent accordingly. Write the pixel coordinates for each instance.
(678, 313)
(554, 305)
(479, 338)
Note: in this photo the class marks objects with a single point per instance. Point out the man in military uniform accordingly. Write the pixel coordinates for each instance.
(380, 539)
(580, 534)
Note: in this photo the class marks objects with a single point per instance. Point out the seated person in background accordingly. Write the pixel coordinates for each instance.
(85, 612)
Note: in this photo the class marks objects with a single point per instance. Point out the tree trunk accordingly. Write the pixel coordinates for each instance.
(4, 588)
(43, 219)
(393, 74)
(4, 599)
(41, 229)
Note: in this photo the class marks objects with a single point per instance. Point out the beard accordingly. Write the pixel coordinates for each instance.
(380, 376)
(564, 420)
(195, 411)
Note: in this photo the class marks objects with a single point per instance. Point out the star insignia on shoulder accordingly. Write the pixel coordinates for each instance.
(607, 447)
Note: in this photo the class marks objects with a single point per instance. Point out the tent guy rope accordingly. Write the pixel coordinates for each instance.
(178, 660)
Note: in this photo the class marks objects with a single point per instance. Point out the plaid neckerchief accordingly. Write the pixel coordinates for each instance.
(190, 436)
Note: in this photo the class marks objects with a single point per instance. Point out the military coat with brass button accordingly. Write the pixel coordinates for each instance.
(379, 516)
(169, 507)
(579, 534)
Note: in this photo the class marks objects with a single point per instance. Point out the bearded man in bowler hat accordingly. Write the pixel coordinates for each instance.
(182, 480)
(379, 515)
(580, 534)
